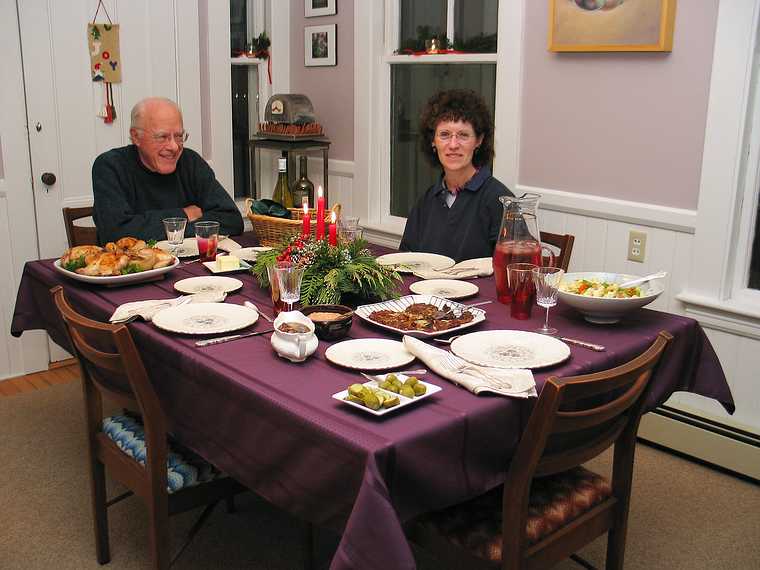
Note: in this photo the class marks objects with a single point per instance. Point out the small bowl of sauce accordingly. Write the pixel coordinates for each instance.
(331, 322)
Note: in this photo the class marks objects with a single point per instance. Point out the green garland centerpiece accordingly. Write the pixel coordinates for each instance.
(345, 273)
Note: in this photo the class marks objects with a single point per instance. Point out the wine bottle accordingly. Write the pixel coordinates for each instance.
(282, 192)
(303, 187)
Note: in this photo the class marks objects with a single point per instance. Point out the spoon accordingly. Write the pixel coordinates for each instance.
(255, 308)
(638, 280)
(463, 308)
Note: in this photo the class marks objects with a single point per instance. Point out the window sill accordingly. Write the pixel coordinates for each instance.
(443, 58)
(728, 315)
(244, 60)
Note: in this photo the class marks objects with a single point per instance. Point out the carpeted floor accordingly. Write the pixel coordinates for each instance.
(683, 515)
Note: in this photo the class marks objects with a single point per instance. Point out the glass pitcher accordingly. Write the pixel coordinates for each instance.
(519, 240)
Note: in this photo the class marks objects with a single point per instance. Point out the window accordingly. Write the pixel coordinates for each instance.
(462, 57)
(244, 25)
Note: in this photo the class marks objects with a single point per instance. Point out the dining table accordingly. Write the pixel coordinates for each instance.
(274, 426)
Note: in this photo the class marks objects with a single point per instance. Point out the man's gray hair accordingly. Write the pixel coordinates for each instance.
(138, 111)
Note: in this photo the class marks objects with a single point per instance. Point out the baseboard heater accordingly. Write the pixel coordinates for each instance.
(704, 439)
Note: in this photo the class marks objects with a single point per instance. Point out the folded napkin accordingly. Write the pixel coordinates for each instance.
(504, 382)
(145, 309)
(480, 267)
(228, 244)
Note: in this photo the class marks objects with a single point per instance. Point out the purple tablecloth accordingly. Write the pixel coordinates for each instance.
(274, 426)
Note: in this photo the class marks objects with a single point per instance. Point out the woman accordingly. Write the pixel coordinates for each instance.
(460, 215)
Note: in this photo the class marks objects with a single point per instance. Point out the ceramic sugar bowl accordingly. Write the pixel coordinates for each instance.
(294, 336)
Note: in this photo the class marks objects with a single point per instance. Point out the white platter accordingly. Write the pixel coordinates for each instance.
(189, 247)
(364, 312)
(403, 400)
(250, 253)
(205, 318)
(510, 349)
(117, 280)
(369, 354)
(410, 261)
(446, 288)
(193, 285)
(211, 266)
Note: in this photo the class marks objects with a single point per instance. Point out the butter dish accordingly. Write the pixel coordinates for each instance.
(214, 268)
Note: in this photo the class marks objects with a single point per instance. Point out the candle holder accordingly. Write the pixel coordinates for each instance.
(432, 45)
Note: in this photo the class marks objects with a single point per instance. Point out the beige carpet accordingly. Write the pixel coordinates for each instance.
(683, 515)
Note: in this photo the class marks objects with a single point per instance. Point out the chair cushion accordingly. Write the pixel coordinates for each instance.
(184, 468)
(554, 502)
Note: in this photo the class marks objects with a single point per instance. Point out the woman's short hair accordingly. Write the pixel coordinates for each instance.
(457, 105)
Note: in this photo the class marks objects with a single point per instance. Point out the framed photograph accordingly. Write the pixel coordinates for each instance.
(319, 8)
(611, 25)
(319, 45)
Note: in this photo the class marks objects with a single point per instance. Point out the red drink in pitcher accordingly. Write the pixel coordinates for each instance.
(506, 252)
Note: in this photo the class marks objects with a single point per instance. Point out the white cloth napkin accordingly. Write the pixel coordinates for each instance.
(515, 383)
(145, 309)
(228, 244)
(480, 267)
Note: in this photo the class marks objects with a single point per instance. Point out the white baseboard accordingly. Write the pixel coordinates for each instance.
(639, 213)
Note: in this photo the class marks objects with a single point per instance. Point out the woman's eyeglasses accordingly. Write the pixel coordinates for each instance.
(463, 137)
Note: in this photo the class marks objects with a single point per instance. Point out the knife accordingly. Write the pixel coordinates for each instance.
(221, 339)
(584, 344)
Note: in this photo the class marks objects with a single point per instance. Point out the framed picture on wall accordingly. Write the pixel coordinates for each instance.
(319, 45)
(319, 8)
(611, 25)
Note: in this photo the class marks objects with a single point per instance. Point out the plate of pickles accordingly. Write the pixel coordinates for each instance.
(386, 393)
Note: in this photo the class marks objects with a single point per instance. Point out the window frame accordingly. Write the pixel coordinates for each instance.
(717, 294)
(377, 36)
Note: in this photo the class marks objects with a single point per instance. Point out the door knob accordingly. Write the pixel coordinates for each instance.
(48, 178)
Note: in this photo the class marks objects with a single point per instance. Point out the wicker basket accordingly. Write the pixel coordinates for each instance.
(272, 231)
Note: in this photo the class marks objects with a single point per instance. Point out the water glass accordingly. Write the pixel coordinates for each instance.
(289, 279)
(175, 232)
(274, 287)
(521, 289)
(547, 280)
(207, 236)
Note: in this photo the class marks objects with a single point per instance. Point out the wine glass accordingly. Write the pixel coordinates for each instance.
(289, 279)
(175, 232)
(547, 280)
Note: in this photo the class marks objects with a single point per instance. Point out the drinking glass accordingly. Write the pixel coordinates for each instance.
(547, 280)
(521, 289)
(207, 236)
(277, 304)
(175, 232)
(288, 278)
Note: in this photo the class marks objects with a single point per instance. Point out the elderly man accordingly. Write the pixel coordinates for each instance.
(135, 187)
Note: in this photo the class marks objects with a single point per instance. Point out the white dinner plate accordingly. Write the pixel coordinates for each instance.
(364, 312)
(510, 349)
(212, 267)
(193, 285)
(446, 288)
(189, 247)
(250, 253)
(410, 261)
(369, 354)
(403, 400)
(205, 318)
(117, 280)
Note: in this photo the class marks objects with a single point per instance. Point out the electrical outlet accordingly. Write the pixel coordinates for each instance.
(637, 246)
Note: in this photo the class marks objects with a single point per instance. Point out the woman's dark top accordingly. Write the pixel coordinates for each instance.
(130, 200)
(468, 229)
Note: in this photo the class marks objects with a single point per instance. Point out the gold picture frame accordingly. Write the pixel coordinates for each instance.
(611, 25)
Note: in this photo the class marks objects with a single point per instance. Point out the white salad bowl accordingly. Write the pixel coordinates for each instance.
(602, 310)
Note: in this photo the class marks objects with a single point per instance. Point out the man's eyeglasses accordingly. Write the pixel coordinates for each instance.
(164, 138)
(463, 137)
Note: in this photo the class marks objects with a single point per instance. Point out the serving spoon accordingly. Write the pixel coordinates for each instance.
(639, 280)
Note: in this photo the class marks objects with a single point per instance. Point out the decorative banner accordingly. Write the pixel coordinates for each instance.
(105, 58)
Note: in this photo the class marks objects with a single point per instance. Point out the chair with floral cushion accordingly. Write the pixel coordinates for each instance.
(135, 448)
(550, 506)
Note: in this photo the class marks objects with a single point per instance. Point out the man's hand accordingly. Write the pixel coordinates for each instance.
(193, 212)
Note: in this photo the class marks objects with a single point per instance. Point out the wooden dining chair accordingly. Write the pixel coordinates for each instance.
(135, 449)
(564, 245)
(550, 506)
(79, 235)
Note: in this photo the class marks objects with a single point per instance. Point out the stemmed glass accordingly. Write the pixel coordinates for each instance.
(547, 280)
(175, 232)
(289, 279)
